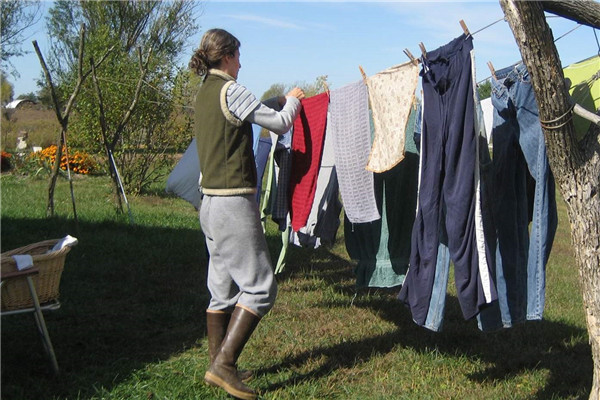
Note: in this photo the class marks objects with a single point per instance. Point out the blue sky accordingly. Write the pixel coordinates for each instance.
(295, 42)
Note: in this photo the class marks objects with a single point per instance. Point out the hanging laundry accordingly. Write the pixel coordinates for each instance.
(350, 129)
(382, 247)
(260, 158)
(276, 202)
(270, 187)
(184, 180)
(437, 304)
(448, 189)
(583, 79)
(391, 93)
(307, 146)
(324, 218)
(488, 116)
(519, 153)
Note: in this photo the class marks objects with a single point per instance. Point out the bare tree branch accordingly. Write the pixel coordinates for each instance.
(103, 127)
(136, 96)
(104, 132)
(585, 12)
(49, 82)
(79, 74)
(575, 165)
(63, 116)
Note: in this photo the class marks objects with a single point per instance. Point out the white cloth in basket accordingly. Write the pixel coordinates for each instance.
(62, 243)
(23, 261)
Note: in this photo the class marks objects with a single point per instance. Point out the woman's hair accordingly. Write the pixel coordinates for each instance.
(215, 44)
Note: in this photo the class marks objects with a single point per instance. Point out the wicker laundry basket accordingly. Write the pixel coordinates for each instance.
(15, 293)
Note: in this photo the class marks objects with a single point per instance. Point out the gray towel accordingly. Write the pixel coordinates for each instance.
(349, 126)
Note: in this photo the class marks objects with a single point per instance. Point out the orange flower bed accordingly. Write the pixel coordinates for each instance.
(5, 158)
(79, 162)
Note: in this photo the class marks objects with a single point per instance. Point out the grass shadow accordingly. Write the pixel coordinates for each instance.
(555, 347)
(121, 309)
(136, 295)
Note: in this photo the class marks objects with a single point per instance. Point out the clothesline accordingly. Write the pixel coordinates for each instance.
(471, 33)
(466, 31)
(487, 26)
(555, 40)
(188, 107)
(562, 36)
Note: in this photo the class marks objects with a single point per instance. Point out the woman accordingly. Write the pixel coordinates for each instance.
(240, 275)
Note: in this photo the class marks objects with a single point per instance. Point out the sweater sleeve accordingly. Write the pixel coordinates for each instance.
(270, 115)
(278, 122)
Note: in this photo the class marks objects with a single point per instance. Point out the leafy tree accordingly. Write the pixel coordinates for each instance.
(184, 91)
(277, 89)
(17, 16)
(7, 90)
(310, 89)
(8, 119)
(45, 97)
(139, 102)
(485, 90)
(29, 96)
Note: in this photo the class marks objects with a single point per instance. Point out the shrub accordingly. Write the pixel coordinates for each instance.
(79, 162)
(6, 164)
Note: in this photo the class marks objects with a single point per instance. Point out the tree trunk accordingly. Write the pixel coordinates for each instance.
(576, 167)
(54, 174)
(63, 117)
(586, 12)
(112, 167)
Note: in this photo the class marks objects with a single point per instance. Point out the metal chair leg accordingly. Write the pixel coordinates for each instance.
(41, 325)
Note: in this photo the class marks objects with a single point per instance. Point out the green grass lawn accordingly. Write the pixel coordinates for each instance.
(132, 326)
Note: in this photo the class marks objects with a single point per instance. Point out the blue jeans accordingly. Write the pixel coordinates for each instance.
(437, 304)
(519, 157)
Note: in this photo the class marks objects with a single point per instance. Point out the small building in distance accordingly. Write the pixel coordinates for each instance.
(21, 103)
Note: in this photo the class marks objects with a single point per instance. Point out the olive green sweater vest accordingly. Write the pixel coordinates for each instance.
(224, 142)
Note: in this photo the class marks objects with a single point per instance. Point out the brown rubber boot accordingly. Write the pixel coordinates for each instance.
(216, 327)
(223, 371)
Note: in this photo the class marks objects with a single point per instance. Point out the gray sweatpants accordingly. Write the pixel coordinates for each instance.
(239, 269)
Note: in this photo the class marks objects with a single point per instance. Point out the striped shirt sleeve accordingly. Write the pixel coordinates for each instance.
(240, 101)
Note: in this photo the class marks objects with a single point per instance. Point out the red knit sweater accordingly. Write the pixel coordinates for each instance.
(307, 149)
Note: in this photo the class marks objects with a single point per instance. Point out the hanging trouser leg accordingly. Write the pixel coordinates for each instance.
(449, 159)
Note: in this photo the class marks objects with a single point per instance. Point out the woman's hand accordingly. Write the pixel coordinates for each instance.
(297, 93)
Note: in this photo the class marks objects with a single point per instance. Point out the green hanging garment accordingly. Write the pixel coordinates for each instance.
(382, 247)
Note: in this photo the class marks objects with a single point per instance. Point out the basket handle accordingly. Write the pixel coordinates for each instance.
(19, 274)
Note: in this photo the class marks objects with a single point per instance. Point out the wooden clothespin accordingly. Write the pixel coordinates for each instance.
(326, 87)
(423, 51)
(492, 70)
(412, 58)
(362, 71)
(464, 27)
